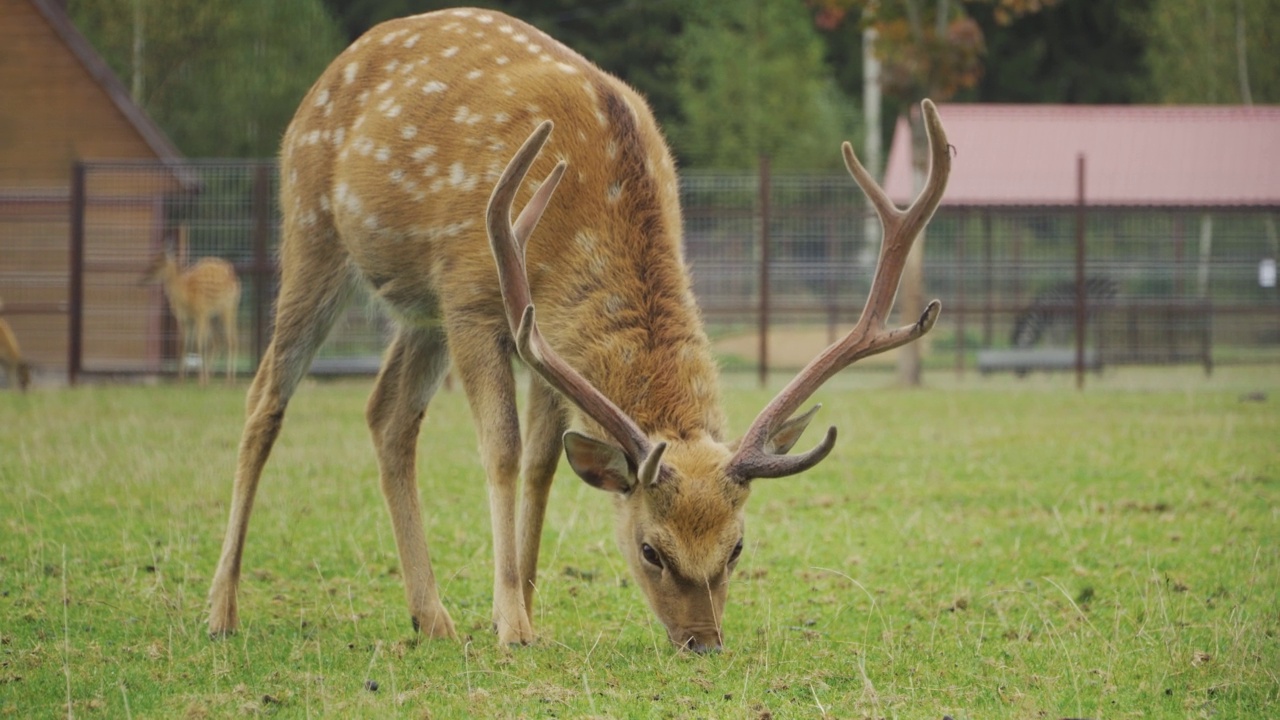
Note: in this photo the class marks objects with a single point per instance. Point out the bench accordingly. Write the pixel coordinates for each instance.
(1024, 360)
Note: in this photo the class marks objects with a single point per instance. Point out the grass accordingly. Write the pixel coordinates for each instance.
(985, 549)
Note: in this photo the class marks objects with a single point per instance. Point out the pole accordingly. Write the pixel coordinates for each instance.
(764, 270)
(1080, 256)
(75, 284)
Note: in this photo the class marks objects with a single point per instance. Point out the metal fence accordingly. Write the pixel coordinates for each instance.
(786, 258)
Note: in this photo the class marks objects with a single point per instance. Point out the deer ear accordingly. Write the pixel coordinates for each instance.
(600, 464)
(780, 442)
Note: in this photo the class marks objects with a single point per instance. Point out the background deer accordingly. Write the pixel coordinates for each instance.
(16, 369)
(200, 295)
(386, 173)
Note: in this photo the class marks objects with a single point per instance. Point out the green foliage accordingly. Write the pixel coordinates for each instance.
(1076, 51)
(222, 77)
(751, 81)
(1002, 550)
(1194, 51)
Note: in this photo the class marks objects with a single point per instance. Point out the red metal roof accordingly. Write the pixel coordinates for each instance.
(1134, 155)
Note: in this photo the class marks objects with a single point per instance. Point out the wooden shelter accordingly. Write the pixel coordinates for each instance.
(63, 105)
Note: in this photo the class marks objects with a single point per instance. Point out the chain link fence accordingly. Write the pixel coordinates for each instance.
(781, 266)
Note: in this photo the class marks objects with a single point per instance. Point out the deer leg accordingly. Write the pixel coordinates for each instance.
(184, 336)
(412, 371)
(546, 422)
(483, 361)
(232, 341)
(309, 304)
(202, 347)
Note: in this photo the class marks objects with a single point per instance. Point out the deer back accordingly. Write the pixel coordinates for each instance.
(393, 154)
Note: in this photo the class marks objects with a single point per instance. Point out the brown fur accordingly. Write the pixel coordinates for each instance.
(386, 172)
(198, 295)
(18, 370)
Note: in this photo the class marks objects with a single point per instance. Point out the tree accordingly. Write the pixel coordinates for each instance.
(751, 81)
(1083, 51)
(1211, 51)
(222, 77)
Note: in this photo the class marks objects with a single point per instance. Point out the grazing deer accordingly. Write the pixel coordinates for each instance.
(198, 295)
(17, 369)
(385, 177)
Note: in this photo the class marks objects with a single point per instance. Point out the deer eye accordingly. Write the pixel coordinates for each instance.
(650, 555)
(737, 550)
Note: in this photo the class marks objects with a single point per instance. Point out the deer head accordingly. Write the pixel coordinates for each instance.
(680, 500)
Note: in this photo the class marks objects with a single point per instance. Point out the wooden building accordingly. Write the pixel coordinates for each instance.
(62, 104)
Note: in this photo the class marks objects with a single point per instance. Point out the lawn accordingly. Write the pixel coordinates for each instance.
(984, 548)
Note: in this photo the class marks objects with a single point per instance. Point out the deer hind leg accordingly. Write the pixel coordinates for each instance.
(411, 373)
(482, 357)
(202, 346)
(232, 340)
(545, 421)
(310, 299)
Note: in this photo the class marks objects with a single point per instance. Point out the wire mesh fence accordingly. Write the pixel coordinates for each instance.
(785, 257)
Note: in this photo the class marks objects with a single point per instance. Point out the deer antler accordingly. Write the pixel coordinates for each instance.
(508, 244)
(869, 336)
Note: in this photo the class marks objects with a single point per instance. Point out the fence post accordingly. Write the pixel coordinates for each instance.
(75, 279)
(261, 267)
(1080, 258)
(764, 269)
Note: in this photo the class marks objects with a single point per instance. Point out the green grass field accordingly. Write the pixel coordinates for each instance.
(985, 548)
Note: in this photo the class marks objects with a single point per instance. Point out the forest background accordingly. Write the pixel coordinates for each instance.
(729, 80)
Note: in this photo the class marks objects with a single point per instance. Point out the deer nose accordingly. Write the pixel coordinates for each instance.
(702, 648)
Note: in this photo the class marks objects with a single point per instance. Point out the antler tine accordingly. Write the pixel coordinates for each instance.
(508, 244)
(868, 337)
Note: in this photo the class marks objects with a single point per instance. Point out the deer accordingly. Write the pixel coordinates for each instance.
(199, 295)
(16, 368)
(386, 172)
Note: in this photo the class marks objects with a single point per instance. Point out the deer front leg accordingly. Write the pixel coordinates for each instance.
(411, 373)
(546, 422)
(483, 362)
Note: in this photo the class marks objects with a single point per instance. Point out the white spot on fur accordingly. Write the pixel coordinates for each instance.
(424, 152)
(567, 68)
(464, 12)
(430, 170)
(611, 149)
(501, 117)
(413, 40)
(322, 98)
(520, 38)
(433, 86)
(371, 222)
(338, 135)
(475, 74)
(408, 132)
(504, 29)
(449, 51)
(349, 72)
(391, 66)
(397, 176)
(484, 18)
(457, 174)
(614, 192)
(363, 145)
(384, 86)
(383, 154)
(502, 59)
(534, 48)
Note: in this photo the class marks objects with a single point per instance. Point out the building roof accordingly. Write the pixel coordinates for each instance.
(1202, 156)
(55, 14)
